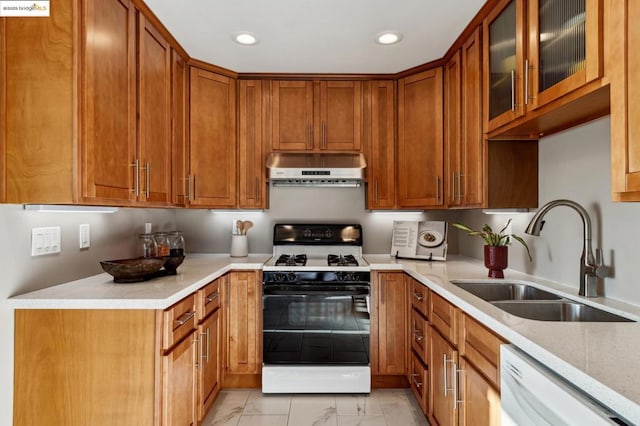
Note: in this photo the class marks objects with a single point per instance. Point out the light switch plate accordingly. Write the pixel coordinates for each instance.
(84, 236)
(45, 240)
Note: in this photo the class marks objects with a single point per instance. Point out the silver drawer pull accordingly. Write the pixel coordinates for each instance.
(418, 296)
(415, 381)
(417, 334)
(185, 317)
(212, 297)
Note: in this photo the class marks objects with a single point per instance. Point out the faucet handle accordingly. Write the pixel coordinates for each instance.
(600, 269)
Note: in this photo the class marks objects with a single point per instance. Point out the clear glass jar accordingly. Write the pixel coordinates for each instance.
(162, 241)
(147, 245)
(176, 243)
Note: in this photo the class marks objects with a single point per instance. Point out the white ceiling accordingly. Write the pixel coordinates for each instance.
(315, 36)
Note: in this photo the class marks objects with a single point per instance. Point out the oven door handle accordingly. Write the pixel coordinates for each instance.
(316, 290)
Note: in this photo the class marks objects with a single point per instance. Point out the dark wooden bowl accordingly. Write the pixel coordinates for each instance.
(132, 270)
(172, 262)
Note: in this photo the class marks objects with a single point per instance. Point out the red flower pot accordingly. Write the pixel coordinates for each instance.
(495, 259)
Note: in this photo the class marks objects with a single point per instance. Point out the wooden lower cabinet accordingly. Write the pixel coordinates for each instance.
(178, 383)
(243, 325)
(388, 350)
(479, 401)
(443, 366)
(208, 363)
(419, 380)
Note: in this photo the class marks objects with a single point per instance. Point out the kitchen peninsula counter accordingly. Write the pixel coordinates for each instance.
(599, 358)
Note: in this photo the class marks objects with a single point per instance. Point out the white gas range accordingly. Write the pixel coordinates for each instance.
(316, 315)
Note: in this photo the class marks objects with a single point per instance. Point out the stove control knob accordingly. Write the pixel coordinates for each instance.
(291, 277)
(280, 277)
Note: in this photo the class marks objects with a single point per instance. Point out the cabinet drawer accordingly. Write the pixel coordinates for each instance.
(419, 296)
(178, 321)
(419, 337)
(208, 299)
(481, 347)
(419, 377)
(444, 317)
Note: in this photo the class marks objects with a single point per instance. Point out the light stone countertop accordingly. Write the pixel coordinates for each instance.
(603, 359)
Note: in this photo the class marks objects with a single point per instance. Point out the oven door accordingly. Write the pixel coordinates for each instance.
(316, 324)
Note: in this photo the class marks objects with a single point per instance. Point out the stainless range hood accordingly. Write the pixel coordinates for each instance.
(316, 170)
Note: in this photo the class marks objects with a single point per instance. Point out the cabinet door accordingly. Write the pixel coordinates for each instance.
(443, 365)
(503, 31)
(340, 120)
(291, 115)
(243, 322)
(565, 48)
(179, 383)
(180, 141)
(470, 181)
(251, 157)
(212, 139)
(108, 108)
(453, 129)
(380, 104)
(420, 140)
(154, 122)
(391, 347)
(625, 107)
(419, 379)
(479, 401)
(209, 363)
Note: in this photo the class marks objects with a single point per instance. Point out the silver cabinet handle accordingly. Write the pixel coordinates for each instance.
(375, 191)
(415, 381)
(526, 82)
(444, 365)
(438, 189)
(459, 186)
(147, 169)
(203, 356)
(513, 90)
(257, 189)
(212, 297)
(418, 296)
(198, 341)
(185, 317)
(457, 372)
(188, 188)
(417, 334)
(195, 187)
(446, 386)
(453, 186)
(136, 177)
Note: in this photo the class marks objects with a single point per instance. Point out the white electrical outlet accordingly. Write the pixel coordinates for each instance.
(84, 236)
(45, 240)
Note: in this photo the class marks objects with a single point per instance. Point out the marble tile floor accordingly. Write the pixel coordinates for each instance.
(383, 407)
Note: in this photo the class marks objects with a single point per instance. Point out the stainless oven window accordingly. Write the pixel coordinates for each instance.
(316, 324)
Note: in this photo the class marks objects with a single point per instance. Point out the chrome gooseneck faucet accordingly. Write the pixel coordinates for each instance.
(591, 269)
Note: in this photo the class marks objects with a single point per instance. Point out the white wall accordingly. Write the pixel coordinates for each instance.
(574, 164)
(113, 236)
(207, 231)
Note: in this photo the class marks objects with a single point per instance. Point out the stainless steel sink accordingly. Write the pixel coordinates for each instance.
(562, 310)
(505, 291)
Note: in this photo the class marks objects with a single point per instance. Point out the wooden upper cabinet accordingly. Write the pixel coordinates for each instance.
(179, 139)
(565, 48)
(420, 140)
(379, 134)
(291, 115)
(212, 139)
(316, 116)
(543, 53)
(108, 154)
(339, 124)
(625, 101)
(155, 108)
(453, 130)
(504, 57)
(252, 110)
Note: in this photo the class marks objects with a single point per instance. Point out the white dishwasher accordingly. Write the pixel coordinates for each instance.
(533, 395)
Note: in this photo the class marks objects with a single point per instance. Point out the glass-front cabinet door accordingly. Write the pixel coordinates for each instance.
(565, 47)
(504, 63)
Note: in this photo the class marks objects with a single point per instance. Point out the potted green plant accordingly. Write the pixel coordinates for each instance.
(495, 249)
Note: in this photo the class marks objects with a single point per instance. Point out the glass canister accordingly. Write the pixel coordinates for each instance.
(147, 245)
(176, 243)
(162, 241)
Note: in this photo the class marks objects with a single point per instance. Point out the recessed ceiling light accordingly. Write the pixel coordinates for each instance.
(245, 38)
(389, 37)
